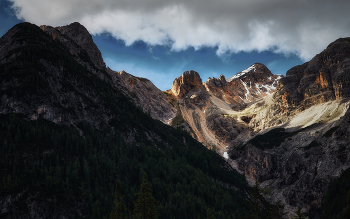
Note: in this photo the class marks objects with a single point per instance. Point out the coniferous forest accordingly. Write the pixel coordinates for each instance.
(64, 168)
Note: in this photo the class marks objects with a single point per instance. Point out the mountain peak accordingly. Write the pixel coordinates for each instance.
(251, 69)
(188, 81)
(218, 82)
(81, 36)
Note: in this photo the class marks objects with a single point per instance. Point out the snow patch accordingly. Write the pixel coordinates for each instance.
(246, 87)
(239, 74)
(225, 155)
(257, 86)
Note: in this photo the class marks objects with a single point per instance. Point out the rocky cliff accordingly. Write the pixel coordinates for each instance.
(202, 108)
(188, 81)
(323, 78)
(145, 95)
(81, 46)
(249, 85)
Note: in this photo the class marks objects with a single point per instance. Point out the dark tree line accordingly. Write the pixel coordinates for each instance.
(57, 161)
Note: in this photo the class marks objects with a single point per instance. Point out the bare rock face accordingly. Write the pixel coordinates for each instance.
(204, 108)
(188, 81)
(80, 44)
(83, 38)
(300, 168)
(323, 78)
(221, 81)
(247, 86)
(145, 95)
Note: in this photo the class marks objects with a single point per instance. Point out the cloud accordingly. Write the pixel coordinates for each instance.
(303, 27)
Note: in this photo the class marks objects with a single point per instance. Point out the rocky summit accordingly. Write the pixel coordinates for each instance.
(246, 86)
(200, 107)
(185, 83)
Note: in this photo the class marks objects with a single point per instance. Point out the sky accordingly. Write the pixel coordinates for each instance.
(160, 39)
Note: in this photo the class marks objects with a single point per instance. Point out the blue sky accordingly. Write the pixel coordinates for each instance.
(162, 66)
(160, 39)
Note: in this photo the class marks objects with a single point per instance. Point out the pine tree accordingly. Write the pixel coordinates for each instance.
(145, 205)
(119, 207)
(209, 215)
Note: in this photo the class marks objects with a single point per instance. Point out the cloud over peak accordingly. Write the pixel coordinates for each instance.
(303, 27)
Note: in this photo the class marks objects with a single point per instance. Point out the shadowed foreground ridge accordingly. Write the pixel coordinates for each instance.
(68, 132)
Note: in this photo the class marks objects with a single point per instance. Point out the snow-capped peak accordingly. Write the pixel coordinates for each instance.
(241, 73)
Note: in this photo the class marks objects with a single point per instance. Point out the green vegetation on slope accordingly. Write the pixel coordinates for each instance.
(40, 157)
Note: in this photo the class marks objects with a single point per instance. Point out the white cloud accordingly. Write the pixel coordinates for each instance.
(304, 27)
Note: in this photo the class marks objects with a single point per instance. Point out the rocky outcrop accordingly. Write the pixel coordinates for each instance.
(80, 44)
(83, 38)
(213, 82)
(188, 81)
(323, 78)
(249, 85)
(144, 94)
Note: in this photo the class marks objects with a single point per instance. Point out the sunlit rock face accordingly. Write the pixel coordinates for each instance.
(326, 77)
(188, 81)
(202, 107)
(247, 86)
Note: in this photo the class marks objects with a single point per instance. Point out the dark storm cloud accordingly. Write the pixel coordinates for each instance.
(303, 27)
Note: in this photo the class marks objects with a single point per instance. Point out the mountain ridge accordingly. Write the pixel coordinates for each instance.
(201, 106)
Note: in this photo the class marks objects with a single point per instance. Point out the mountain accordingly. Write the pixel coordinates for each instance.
(70, 128)
(202, 108)
(288, 133)
(141, 91)
(303, 132)
(249, 85)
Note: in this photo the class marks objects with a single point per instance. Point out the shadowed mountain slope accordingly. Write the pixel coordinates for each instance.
(68, 132)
